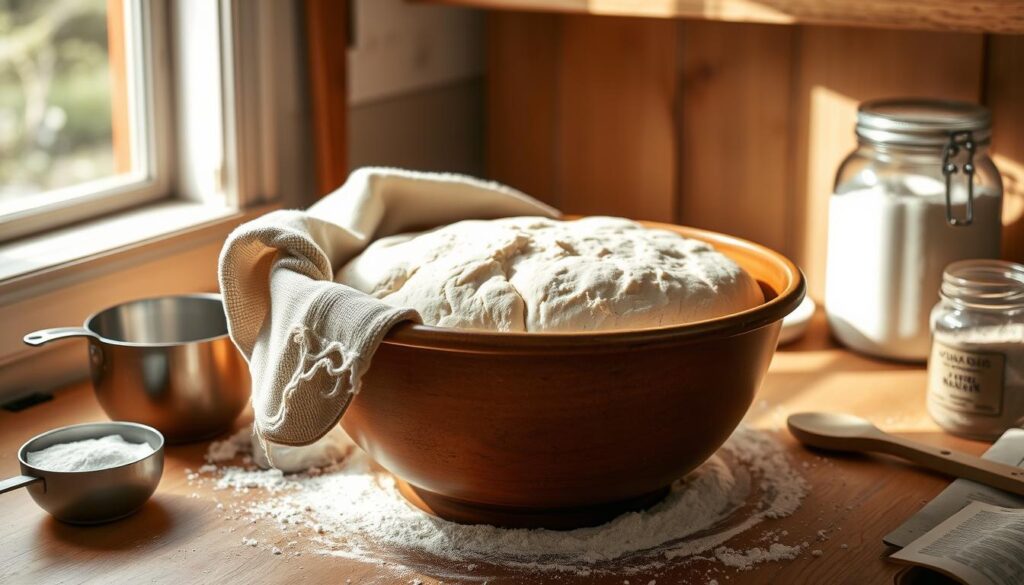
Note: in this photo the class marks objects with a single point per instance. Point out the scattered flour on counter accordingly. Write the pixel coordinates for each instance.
(88, 454)
(242, 480)
(746, 559)
(332, 447)
(353, 510)
(228, 449)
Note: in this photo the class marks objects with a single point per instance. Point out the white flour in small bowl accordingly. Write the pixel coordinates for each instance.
(88, 454)
(353, 510)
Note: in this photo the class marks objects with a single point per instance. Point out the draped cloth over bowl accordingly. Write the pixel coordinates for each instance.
(308, 340)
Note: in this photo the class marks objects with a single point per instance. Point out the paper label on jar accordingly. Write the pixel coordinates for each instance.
(966, 381)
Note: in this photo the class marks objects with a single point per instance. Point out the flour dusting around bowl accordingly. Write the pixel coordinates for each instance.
(354, 510)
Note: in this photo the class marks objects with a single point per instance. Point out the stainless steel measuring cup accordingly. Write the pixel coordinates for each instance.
(91, 497)
(166, 362)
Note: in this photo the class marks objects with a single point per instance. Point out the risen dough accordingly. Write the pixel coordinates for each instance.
(538, 274)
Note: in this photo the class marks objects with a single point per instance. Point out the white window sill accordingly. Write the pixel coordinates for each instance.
(94, 239)
(60, 277)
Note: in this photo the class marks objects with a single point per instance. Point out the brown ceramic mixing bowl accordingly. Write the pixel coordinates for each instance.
(563, 430)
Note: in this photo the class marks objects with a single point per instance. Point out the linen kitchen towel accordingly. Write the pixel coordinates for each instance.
(307, 339)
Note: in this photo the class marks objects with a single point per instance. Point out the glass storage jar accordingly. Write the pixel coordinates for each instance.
(918, 193)
(976, 368)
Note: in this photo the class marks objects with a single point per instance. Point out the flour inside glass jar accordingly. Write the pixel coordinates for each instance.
(976, 380)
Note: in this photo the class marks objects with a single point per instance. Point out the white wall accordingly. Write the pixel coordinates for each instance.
(415, 87)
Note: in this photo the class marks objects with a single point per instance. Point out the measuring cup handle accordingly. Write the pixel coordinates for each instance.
(19, 481)
(47, 335)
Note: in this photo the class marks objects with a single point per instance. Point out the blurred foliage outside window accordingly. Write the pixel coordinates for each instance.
(55, 95)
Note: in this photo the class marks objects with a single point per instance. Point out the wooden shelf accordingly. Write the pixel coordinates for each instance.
(994, 16)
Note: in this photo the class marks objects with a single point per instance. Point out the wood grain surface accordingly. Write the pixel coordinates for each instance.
(616, 117)
(522, 99)
(581, 112)
(999, 16)
(326, 28)
(180, 538)
(1004, 94)
(736, 116)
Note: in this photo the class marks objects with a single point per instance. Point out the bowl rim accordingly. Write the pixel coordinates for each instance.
(158, 451)
(417, 335)
(201, 296)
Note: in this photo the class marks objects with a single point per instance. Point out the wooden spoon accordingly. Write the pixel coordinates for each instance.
(845, 432)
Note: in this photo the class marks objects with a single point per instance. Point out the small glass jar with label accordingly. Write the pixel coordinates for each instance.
(976, 368)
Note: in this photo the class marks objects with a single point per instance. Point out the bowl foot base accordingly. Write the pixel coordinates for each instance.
(464, 512)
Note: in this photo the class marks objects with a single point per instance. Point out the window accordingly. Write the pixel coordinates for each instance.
(134, 136)
(78, 118)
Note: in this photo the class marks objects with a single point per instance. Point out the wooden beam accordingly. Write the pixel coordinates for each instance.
(1005, 96)
(121, 139)
(327, 45)
(998, 16)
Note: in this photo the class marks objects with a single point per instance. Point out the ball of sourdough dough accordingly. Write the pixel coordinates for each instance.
(538, 274)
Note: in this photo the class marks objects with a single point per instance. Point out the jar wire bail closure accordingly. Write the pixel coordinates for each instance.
(958, 140)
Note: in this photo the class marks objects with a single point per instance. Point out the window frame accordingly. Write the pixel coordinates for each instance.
(148, 70)
(267, 164)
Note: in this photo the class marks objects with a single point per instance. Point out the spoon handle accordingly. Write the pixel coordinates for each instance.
(955, 463)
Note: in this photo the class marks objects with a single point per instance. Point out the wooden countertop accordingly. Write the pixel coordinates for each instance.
(179, 537)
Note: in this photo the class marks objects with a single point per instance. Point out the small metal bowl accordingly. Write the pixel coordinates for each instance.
(91, 497)
(166, 362)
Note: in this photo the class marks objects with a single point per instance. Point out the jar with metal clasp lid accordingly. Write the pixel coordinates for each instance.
(919, 192)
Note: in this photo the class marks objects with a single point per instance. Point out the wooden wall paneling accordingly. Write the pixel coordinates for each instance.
(522, 100)
(326, 23)
(839, 68)
(1005, 95)
(618, 82)
(736, 119)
